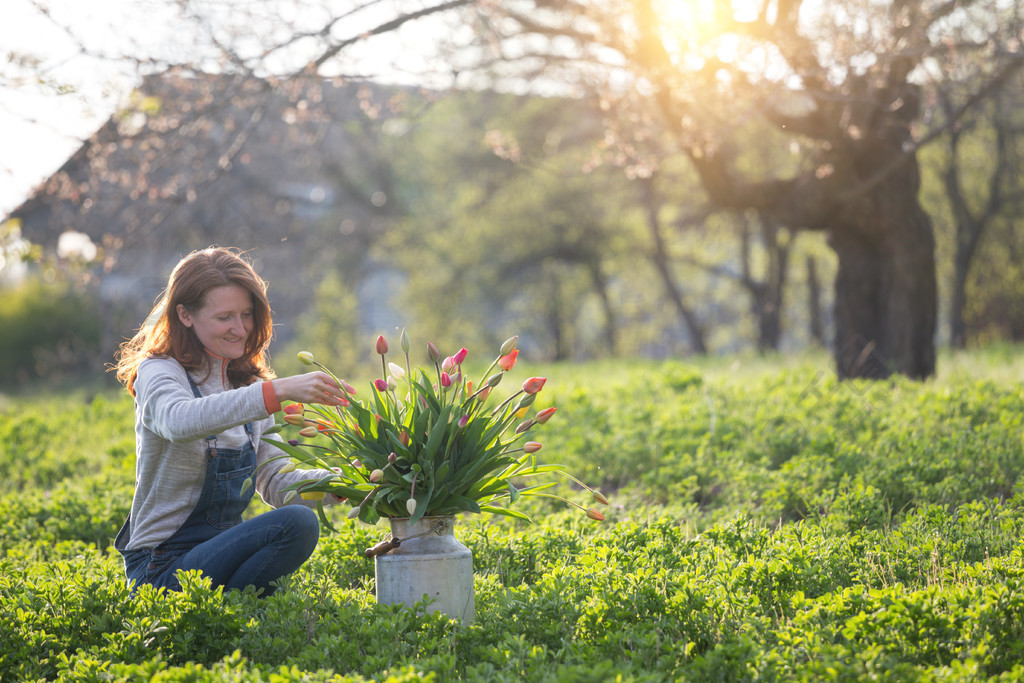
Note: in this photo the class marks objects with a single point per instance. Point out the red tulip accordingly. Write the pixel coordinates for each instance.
(545, 415)
(460, 356)
(294, 409)
(508, 361)
(534, 384)
(382, 345)
(381, 384)
(446, 380)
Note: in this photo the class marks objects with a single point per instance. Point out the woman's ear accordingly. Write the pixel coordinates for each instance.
(183, 315)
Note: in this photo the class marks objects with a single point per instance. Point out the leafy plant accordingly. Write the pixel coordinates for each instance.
(426, 442)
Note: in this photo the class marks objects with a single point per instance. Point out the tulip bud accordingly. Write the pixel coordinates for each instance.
(293, 409)
(463, 421)
(526, 400)
(531, 446)
(545, 415)
(382, 345)
(380, 384)
(403, 438)
(494, 380)
(446, 380)
(313, 495)
(460, 356)
(509, 346)
(599, 497)
(392, 384)
(354, 512)
(404, 340)
(376, 476)
(524, 426)
(447, 363)
(595, 515)
(289, 497)
(293, 442)
(306, 358)
(308, 432)
(392, 458)
(397, 371)
(508, 361)
(432, 353)
(287, 467)
(410, 506)
(534, 384)
(357, 464)
(295, 420)
(484, 393)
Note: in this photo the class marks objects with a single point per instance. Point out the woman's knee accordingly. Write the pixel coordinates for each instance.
(301, 523)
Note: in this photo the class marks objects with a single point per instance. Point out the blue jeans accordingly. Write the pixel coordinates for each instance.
(253, 553)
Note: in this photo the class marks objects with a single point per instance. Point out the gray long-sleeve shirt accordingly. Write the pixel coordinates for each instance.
(171, 426)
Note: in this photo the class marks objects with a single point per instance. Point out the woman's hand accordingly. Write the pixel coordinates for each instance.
(312, 387)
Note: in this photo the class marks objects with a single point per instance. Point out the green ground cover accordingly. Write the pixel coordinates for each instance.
(767, 523)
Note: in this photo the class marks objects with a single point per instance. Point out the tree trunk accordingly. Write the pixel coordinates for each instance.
(817, 326)
(885, 288)
(611, 324)
(661, 263)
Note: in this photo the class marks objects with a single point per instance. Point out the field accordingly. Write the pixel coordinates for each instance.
(766, 523)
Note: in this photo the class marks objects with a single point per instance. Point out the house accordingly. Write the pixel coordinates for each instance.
(286, 170)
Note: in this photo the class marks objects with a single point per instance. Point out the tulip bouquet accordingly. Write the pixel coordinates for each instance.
(425, 442)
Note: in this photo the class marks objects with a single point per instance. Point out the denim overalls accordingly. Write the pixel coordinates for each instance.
(220, 507)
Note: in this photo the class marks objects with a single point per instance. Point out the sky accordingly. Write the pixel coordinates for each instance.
(48, 110)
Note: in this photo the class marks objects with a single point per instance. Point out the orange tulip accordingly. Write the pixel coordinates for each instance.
(508, 361)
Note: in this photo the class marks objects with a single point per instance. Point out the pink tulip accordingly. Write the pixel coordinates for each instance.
(382, 345)
(534, 384)
(432, 353)
(460, 356)
(446, 380)
(381, 384)
(447, 363)
(463, 421)
(524, 426)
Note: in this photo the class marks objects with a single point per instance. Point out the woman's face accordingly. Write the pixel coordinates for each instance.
(224, 321)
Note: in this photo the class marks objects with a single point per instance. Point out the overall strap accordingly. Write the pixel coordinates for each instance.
(211, 441)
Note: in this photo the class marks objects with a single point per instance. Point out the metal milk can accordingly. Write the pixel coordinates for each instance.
(425, 558)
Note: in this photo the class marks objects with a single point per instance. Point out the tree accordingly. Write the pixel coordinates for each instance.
(843, 81)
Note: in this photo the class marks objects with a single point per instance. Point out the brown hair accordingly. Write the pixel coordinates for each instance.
(163, 334)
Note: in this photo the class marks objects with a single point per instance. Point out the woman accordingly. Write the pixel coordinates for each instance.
(204, 396)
